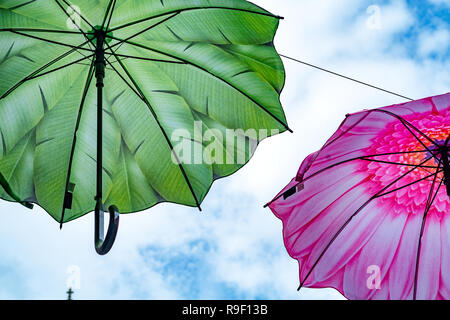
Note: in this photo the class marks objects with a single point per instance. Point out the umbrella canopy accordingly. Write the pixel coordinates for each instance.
(368, 214)
(71, 143)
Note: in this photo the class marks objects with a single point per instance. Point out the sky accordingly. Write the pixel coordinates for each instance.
(234, 248)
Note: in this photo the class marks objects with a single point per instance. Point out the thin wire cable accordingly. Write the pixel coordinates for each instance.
(345, 77)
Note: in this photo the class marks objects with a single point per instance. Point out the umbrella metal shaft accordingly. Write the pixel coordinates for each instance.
(99, 75)
(102, 243)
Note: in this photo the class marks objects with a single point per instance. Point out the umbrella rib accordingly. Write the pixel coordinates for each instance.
(428, 171)
(21, 5)
(341, 163)
(403, 121)
(18, 84)
(420, 141)
(145, 100)
(346, 131)
(62, 67)
(123, 79)
(107, 13)
(351, 217)
(213, 75)
(110, 55)
(50, 41)
(408, 126)
(38, 30)
(194, 8)
(148, 59)
(74, 139)
(361, 158)
(398, 163)
(79, 14)
(394, 153)
(110, 16)
(430, 201)
(74, 22)
(140, 32)
(410, 184)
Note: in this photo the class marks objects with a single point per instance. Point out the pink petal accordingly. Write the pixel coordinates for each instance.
(430, 260)
(327, 222)
(348, 243)
(379, 251)
(401, 273)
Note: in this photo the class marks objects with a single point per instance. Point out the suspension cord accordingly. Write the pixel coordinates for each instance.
(345, 77)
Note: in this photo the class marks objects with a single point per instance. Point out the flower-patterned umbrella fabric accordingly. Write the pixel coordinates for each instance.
(368, 214)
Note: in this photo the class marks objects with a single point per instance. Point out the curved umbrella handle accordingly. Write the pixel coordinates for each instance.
(104, 244)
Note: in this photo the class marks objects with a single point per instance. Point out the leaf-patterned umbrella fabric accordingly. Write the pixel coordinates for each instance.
(169, 63)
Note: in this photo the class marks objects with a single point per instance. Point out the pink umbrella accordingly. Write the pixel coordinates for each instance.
(369, 214)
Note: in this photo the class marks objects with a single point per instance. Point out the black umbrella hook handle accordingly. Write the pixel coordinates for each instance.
(104, 243)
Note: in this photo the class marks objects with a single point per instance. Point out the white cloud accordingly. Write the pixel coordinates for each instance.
(434, 42)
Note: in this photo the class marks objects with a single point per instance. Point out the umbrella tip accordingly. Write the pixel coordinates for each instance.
(288, 129)
(269, 203)
(27, 204)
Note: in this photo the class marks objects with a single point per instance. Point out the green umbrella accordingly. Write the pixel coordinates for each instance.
(74, 144)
